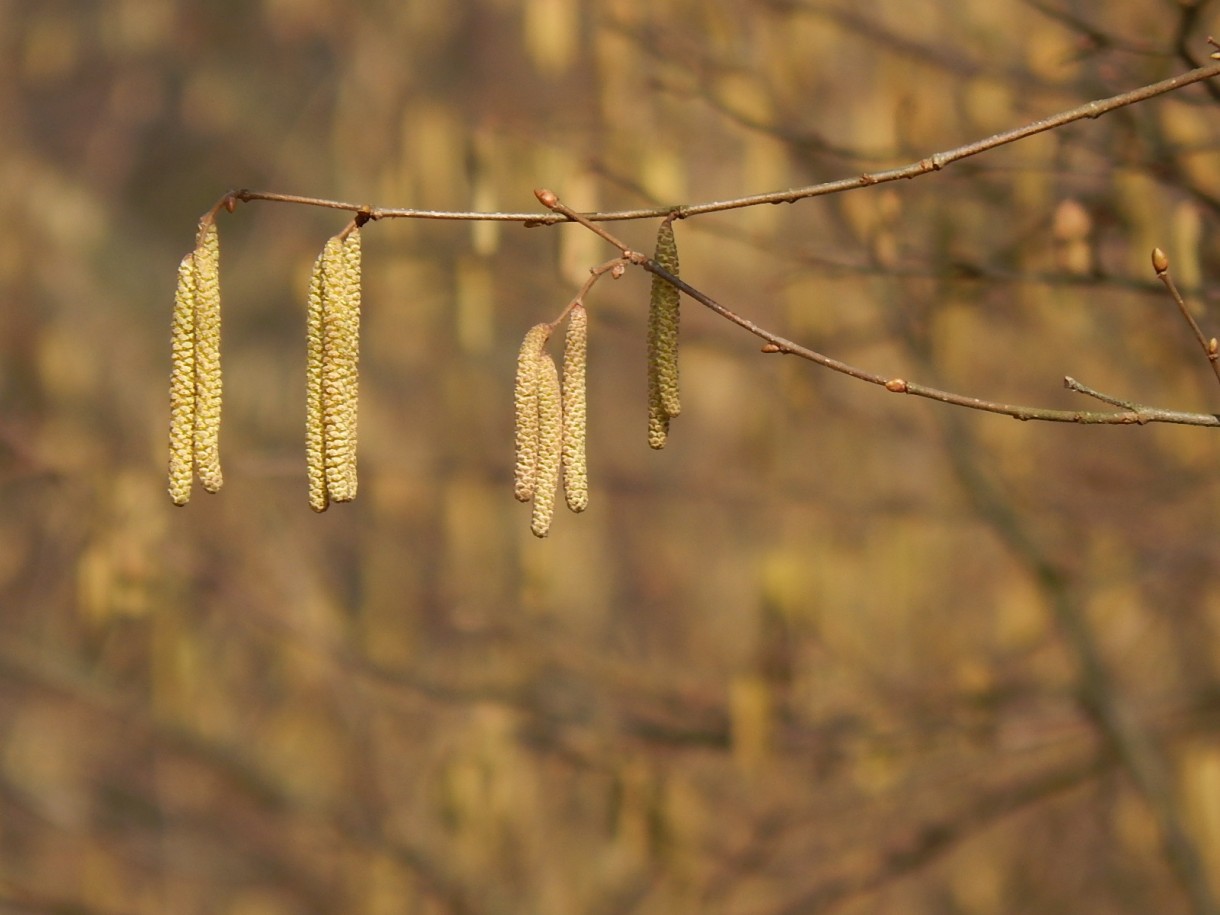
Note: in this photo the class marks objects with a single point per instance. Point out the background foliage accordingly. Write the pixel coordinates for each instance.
(804, 659)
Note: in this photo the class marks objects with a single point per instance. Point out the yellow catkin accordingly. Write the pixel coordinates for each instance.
(663, 316)
(338, 368)
(525, 396)
(208, 382)
(182, 386)
(351, 355)
(315, 430)
(550, 445)
(575, 357)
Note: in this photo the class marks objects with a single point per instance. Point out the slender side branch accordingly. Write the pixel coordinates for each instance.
(1131, 414)
(1211, 348)
(934, 162)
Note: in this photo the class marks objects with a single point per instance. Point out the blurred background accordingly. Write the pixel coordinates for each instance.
(831, 650)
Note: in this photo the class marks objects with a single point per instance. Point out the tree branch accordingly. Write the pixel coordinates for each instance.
(1131, 414)
(934, 162)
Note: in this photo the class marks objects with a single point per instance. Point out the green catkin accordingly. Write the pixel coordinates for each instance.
(525, 397)
(664, 401)
(182, 386)
(550, 444)
(575, 357)
(208, 381)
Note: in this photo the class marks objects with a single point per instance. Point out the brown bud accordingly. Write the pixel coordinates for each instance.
(770, 348)
(1160, 262)
(546, 198)
(897, 385)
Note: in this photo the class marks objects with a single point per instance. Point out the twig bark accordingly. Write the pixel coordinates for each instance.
(1131, 414)
(934, 162)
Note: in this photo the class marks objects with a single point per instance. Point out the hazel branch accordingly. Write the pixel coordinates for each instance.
(1130, 414)
(934, 162)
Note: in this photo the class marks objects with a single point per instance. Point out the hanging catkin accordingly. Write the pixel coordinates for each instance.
(208, 383)
(343, 354)
(575, 468)
(182, 386)
(664, 402)
(525, 397)
(550, 444)
(332, 372)
(195, 379)
(315, 426)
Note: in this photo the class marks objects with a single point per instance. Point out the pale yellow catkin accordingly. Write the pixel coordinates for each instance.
(550, 445)
(525, 397)
(336, 372)
(208, 381)
(575, 420)
(350, 405)
(315, 430)
(182, 386)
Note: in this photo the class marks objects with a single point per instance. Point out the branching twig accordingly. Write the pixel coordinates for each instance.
(934, 162)
(1131, 414)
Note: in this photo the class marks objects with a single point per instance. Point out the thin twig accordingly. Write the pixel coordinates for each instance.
(1073, 385)
(613, 267)
(1131, 414)
(1211, 349)
(934, 162)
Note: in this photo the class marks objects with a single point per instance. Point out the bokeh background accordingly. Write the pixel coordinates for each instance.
(831, 650)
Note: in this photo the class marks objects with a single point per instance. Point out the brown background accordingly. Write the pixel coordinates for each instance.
(805, 659)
